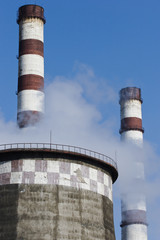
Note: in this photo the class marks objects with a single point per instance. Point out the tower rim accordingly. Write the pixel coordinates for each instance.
(53, 150)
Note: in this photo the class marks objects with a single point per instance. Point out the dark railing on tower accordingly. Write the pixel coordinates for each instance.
(58, 147)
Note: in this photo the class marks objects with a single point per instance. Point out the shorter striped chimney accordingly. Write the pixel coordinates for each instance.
(31, 65)
(131, 114)
(134, 222)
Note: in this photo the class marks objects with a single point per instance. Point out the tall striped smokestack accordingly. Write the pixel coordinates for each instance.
(31, 65)
(134, 223)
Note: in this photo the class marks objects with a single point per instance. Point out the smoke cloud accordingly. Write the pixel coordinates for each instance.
(75, 116)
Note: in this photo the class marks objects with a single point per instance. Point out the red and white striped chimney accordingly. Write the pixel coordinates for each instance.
(131, 114)
(134, 223)
(31, 65)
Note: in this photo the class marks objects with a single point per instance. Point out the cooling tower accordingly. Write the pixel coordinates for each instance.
(55, 192)
(31, 65)
(134, 223)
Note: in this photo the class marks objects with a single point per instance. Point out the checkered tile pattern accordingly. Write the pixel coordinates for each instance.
(64, 173)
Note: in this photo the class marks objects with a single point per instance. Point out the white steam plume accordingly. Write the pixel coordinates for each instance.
(75, 117)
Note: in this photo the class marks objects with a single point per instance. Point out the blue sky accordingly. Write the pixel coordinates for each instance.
(118, 40)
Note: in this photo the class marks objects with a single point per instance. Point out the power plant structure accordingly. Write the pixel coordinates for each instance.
(31, 65)
(134, 222)
(50, 191)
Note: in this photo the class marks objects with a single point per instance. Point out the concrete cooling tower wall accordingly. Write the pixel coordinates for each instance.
(49, 194)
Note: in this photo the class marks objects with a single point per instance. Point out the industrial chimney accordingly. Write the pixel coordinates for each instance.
(31, 65)
(134, 223)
